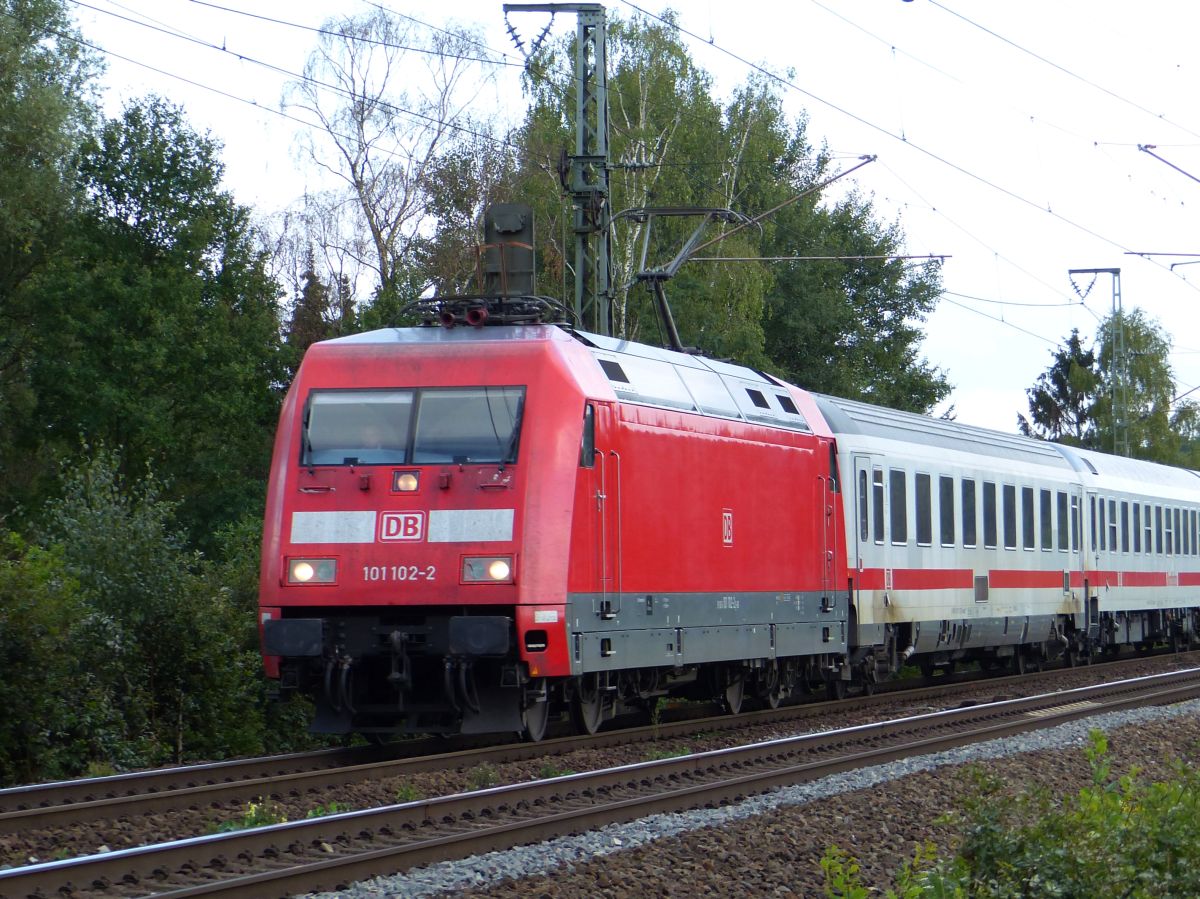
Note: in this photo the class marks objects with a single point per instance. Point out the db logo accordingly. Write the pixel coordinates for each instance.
(401, 526)
(727, 527)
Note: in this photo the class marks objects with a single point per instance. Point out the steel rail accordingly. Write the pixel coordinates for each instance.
(332, 851)
(213, 785)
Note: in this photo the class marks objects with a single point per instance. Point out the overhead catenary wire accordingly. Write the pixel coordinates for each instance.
(1063, 69)
(503, 60)
(278, 70)
(961, 169)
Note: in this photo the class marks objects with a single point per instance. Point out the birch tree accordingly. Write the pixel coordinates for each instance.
(391, 97)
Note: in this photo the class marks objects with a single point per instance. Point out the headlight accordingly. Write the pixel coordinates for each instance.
(488, 570)
(406, 481)
(312, 571)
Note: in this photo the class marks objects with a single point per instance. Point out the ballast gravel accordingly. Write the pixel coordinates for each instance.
(771, 845)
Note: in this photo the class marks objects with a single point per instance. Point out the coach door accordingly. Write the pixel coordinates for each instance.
(826, 496)
(862, 508)
(606, 474)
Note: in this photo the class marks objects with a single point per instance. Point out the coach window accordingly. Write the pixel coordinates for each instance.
(1179, 549)
(1027, 515)
(898, 483)
(1092, 519)
(989, 515)
(1075, 524)
(1103, 527)
(1010, 516)
(877, 504)
(864, 517)
(1195, 551)
(1061, 498)
(1137, 527)
(1112, 525)
(1047, 520)
(1124, 526)
(1158, 530)
(1169, 533)
(924, 510)
(1148, 543)
(968, 512)
(946, 509)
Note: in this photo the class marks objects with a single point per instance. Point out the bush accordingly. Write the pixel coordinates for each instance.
(1119, 836)
(41, 618)
(175, 662)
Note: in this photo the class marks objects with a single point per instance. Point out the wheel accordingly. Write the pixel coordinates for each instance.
(927, 668)
(835, 687)
(770, 689)
(1019, 662)
(536, 718)
(734, 694)
(587, 708)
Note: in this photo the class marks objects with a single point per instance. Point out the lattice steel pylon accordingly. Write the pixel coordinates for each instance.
(1119, 387)
(586, 173)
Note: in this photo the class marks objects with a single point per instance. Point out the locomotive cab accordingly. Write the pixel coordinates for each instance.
(404, 531)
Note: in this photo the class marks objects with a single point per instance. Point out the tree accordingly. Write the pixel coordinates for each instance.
(384, 130)
(1061, 402)
(851, 327)
(1149, 389)
(157, 328)
(47, 105)
(1072, 401)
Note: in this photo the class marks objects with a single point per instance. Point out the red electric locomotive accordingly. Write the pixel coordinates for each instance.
(469, 528)
(473, 528)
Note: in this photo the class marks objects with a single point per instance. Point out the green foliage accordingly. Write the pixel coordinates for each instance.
(1119, 836)
(842, 875)
(482, 777)
(850, 327)
(155, 327)
(549, 770)
(328, 808)
(175, 668)
(46, 689)
(46, 98)
(407, 793)
(1073, 400)
(1060, 403)
(262, 813)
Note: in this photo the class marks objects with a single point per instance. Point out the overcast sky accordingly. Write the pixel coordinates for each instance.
(1007, 137)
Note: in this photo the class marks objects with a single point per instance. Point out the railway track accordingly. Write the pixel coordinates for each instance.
(218, 785)
(335, 850)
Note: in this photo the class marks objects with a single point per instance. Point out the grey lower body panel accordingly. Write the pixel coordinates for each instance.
(982, 633)
(611, 633)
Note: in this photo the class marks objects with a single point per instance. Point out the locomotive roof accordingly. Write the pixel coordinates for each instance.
(430, 335)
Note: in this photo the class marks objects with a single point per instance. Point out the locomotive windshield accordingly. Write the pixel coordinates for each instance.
(413, 427)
